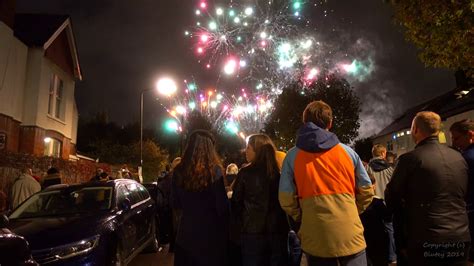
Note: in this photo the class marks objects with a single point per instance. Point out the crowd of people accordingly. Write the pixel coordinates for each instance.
(319, 199)
(27, 184)
(414, 210)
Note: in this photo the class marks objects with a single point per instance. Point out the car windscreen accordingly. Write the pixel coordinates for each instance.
(65, 202)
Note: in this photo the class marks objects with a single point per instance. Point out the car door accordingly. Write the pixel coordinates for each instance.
(127, 224)
(149, 212)
(138, 209)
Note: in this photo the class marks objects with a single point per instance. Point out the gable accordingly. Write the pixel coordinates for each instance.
(59, 52)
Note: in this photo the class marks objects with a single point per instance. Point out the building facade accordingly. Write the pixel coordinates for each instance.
(38, 69)
(453, 106)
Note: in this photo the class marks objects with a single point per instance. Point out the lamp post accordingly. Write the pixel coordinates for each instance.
(165, 86)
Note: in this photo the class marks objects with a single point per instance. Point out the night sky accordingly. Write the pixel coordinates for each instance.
(125, 45)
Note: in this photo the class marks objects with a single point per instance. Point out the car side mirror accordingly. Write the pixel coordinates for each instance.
(126, 204)
(3, 221)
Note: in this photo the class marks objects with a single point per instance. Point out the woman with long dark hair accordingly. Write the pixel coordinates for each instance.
(198, 192)
(255, 201)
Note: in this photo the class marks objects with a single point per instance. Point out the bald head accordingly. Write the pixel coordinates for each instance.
(424, 125)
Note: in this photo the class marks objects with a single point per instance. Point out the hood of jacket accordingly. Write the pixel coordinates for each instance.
(378, 164)
(312, 138)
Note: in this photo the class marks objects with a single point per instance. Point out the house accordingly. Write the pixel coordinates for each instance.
(452, 106)
(39, 66)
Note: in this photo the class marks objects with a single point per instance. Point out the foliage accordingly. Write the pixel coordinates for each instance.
(363, 147)
(113, 144)
(442, 30)
(155, 159)
(286, 119)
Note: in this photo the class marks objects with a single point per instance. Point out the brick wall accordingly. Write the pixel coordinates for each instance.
(12, 129)
(71, 172)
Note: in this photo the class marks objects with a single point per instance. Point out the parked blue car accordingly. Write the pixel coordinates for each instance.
(97, 223)
(14, 250)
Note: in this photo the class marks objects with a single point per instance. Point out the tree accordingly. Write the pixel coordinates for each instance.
(442, 30)
(363, 147)
(117, 145)
(286, 119)
(155, 159)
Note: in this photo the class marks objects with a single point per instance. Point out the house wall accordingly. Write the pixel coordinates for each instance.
(43, 119)
(447, 124)
(13, 60)
(37, 123)
(399, 144)
(25, 76)
(33, 81)
(60, 54)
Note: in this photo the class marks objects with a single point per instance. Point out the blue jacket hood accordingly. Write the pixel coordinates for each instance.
(312, 138)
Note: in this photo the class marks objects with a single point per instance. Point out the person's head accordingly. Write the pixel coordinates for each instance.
(199, 162)
(379, 150)
(175, 163)
(27, 171)
(462, 133)
(52, 171)
(99, 171)
(425, 124)
(232, 169)
(319, 113)
(104, 176)
(391, 157)
(260, 151)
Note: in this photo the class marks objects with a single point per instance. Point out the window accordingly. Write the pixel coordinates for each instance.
(56, 94)
(135, 195)
(52, 147)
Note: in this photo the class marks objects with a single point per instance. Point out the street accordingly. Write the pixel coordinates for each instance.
(162, 258)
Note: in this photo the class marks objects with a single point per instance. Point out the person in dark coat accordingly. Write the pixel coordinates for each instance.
(376, 235)
(53, 177)
(429, 187)
(167, 218)
(462, 134)
(264, 237)
(198, 192)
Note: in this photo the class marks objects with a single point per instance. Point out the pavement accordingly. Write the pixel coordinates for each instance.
(161, 258)
(164, 258)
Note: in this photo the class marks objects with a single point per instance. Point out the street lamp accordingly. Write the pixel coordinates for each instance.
(165, 86)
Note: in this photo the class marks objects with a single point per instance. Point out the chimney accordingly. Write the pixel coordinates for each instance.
(7, 12)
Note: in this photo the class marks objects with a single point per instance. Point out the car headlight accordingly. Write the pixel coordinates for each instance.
(77, 248)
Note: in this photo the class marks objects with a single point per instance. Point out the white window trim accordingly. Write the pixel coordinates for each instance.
(57, 78)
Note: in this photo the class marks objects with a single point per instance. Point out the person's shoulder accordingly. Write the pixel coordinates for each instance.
(469, 155)
(246, 169)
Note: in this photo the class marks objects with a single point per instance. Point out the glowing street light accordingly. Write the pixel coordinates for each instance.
(166, 86)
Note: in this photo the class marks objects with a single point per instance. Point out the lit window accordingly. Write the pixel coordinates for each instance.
(55, 100)
(52, 147)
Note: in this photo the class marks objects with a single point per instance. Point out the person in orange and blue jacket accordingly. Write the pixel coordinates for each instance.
(325, 187)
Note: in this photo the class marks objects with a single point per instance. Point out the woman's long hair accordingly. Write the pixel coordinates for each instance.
(264, 154)
(200, 162)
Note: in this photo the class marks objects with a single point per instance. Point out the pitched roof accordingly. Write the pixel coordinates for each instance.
(37, 29)
(40, 30)
(451, 103)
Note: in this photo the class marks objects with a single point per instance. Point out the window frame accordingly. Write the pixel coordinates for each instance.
(49, 148)
(56, 103)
